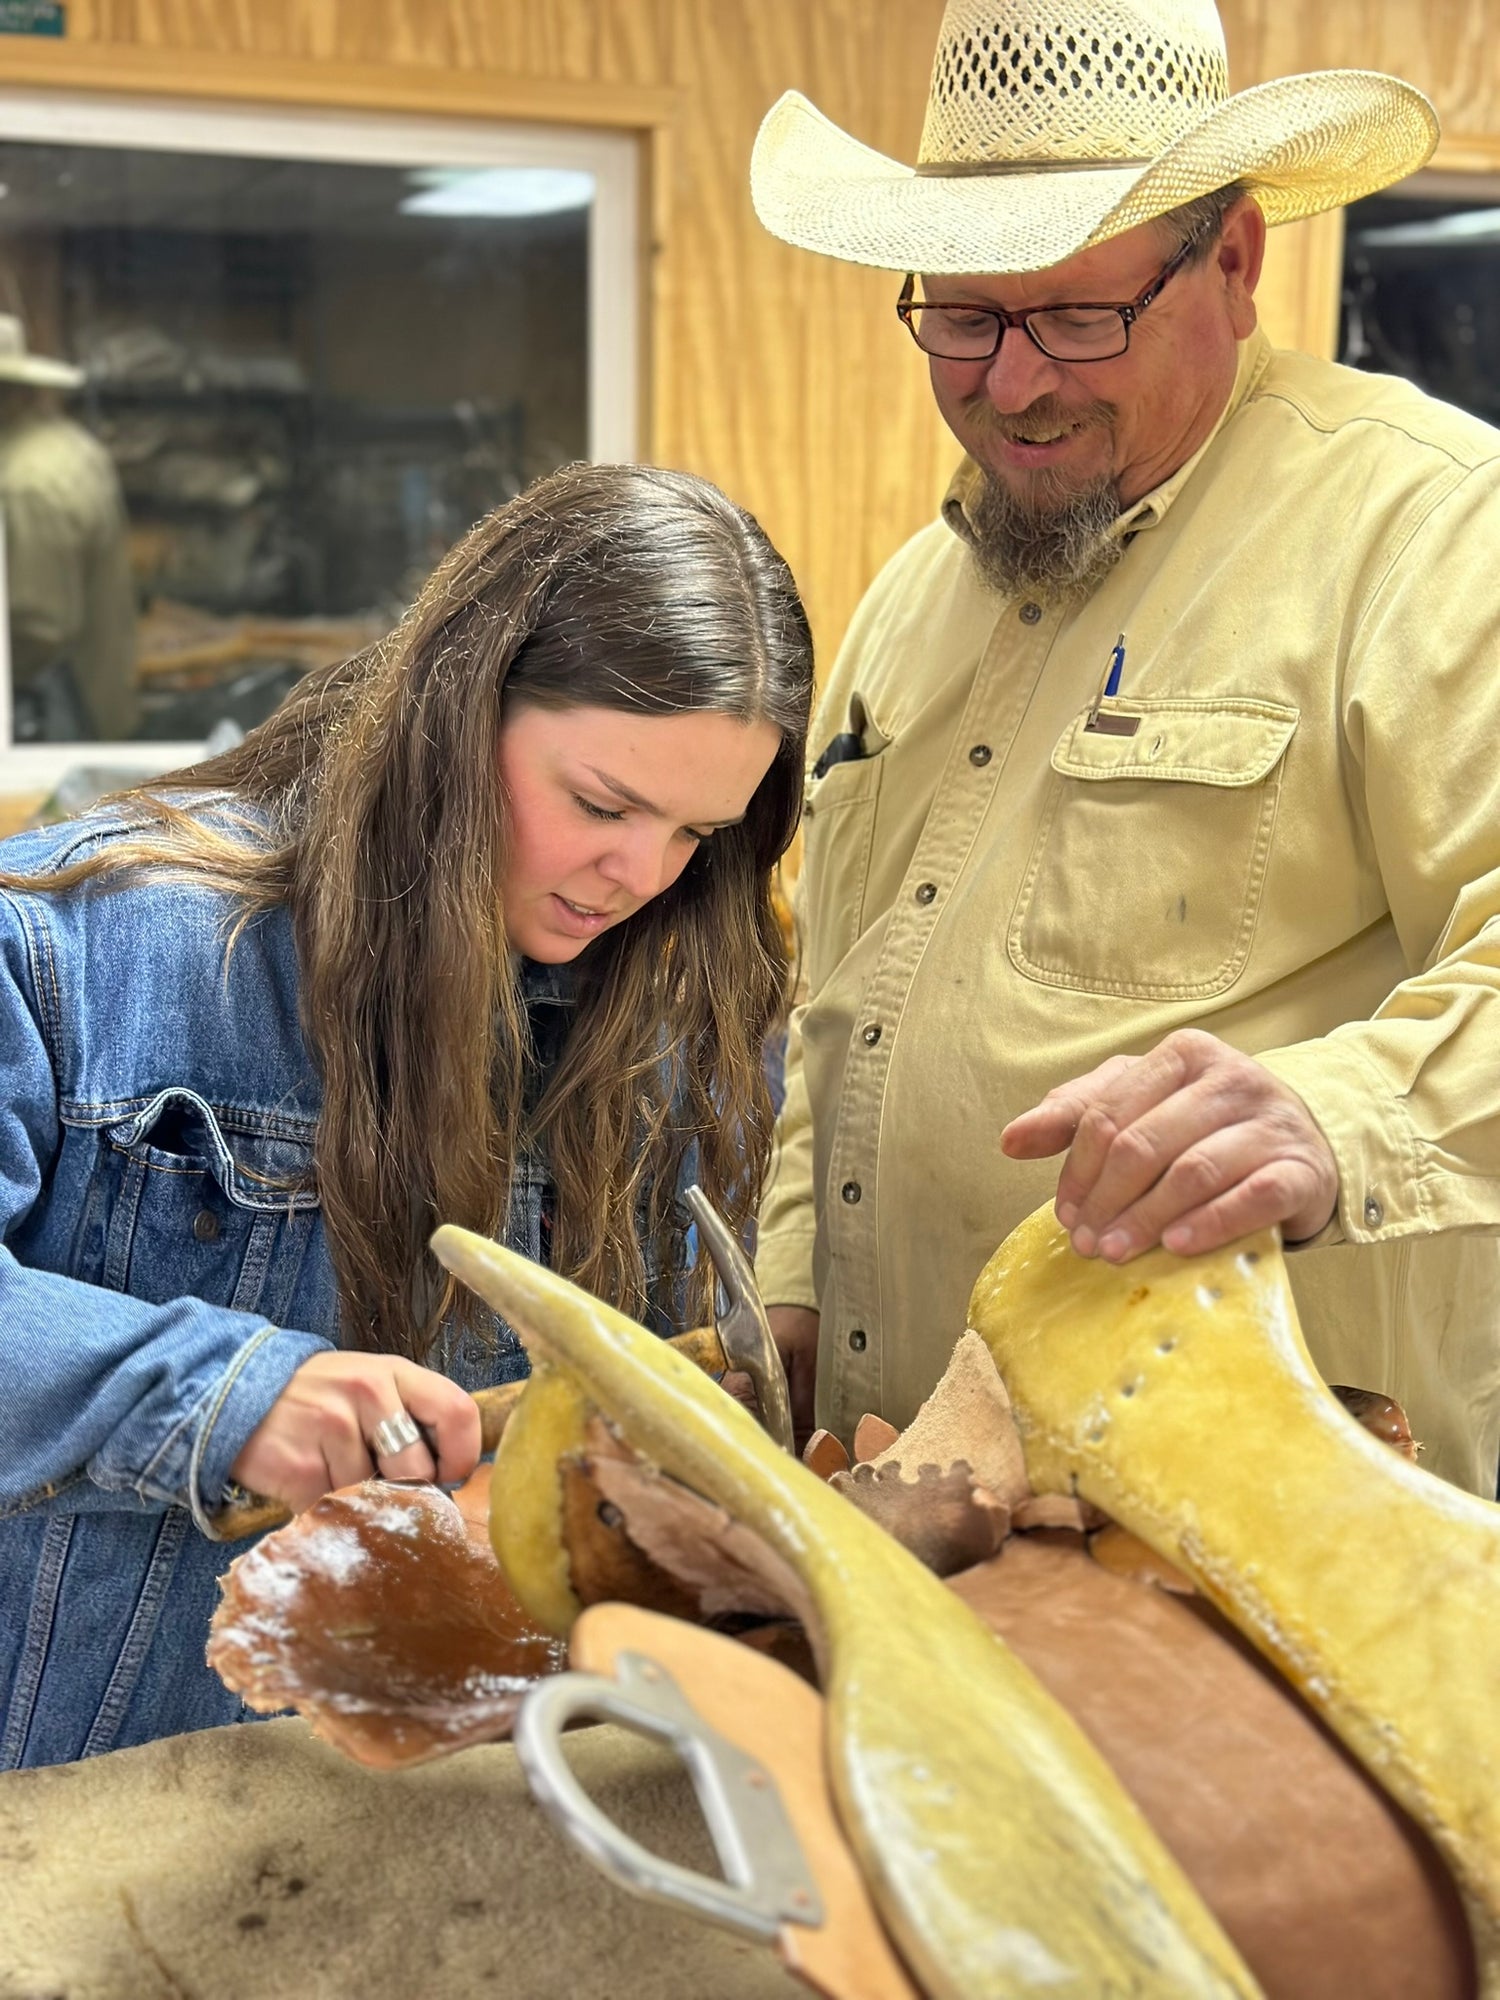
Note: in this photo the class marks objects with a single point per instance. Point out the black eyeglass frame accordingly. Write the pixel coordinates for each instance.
(1129, 311)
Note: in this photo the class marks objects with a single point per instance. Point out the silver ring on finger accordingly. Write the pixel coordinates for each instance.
(393, 1434)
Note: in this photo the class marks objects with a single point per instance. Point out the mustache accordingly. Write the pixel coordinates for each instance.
(1044, 418)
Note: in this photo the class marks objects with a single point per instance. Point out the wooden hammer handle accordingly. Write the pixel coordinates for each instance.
(254, 1516)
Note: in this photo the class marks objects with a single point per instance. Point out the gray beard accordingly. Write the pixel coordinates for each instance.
(1051, 553)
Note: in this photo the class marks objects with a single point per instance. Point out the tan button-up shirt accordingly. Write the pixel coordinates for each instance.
(1297, 849)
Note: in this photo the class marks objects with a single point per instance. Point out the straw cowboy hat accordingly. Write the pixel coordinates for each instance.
(1054, 124)
(16, 365)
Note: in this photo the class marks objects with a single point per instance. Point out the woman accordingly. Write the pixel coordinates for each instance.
(477, 928)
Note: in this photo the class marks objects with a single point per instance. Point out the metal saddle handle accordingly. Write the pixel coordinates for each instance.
(768, 1882)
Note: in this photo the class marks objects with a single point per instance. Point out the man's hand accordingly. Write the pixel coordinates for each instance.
(1189, 1147)
(795, 1332)
(316, 1435)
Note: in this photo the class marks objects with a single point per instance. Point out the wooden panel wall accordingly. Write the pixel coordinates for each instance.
(788, 376)
(1445, 47)
(783, 376)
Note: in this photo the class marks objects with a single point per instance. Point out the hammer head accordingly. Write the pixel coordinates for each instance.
(743, 1329)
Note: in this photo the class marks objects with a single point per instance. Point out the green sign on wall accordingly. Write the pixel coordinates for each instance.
(33, 17)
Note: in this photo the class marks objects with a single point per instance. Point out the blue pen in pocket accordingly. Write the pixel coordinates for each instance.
(1116, 668)
(1112, 725)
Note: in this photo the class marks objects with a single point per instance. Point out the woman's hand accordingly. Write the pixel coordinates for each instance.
(317, 1435)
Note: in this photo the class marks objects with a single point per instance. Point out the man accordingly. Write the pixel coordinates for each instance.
(1154, 819)
(67, 563)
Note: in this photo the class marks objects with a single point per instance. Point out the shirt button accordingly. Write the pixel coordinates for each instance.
(206, 1226)
(857, 1340)
(1031, 614)
(926, 892)
(851, 1191)
(1374, 1213)
(981, 754)
(871, 1035)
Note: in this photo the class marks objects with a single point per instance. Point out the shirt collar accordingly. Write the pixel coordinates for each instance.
(555, 985)
(1251, 359)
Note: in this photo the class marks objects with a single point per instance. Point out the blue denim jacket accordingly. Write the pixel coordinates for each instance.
(158, 1282)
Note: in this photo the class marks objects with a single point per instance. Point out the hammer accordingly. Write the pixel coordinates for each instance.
(739, 1339)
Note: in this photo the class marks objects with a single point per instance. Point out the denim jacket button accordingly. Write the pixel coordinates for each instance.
(206, 1226)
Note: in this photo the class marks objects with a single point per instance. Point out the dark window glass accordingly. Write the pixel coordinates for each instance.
(1421, 289)
(299, 383)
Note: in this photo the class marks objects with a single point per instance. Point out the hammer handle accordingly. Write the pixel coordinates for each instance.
(700, 1346)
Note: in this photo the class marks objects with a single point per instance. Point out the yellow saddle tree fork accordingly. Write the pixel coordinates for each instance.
(1178, 1395)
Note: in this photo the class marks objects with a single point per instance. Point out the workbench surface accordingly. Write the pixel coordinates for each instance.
(254, 1863)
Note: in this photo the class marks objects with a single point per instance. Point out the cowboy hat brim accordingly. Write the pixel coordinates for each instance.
(1303, 143)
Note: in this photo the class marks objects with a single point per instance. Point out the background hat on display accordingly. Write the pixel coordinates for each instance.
(1055, 124)
(16, 365)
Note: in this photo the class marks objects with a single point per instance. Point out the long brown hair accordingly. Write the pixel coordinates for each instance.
(380, 821)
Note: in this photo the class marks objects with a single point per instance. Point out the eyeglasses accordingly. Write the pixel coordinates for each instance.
(1082, 332)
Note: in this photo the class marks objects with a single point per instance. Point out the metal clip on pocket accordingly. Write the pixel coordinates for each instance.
(1103, 722)
(767, 1880)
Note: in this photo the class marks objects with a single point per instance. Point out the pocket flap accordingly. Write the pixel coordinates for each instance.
(256, 1169)
(1222, 741)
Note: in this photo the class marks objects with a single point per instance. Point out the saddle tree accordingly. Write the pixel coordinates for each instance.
(1002, 1853)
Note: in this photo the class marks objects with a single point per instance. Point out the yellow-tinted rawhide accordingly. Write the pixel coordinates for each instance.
(526, 1494)
(999, 1848)
(1178, 1395)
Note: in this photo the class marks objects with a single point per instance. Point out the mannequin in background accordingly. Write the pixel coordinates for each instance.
(67, 569)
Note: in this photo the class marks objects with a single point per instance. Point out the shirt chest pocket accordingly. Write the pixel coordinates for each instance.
(187, 1203)
(1146, 876)
(838, 828)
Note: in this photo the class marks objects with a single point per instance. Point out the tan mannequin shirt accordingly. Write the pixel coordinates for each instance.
(68, 565)
(1298, 850)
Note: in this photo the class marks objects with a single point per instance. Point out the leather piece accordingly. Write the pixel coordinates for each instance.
(1323, 1884)
(381, 1614)
(967, 1419)
(825, 1455)
(945, 1519)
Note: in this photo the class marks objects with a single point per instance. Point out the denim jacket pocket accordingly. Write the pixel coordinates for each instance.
(190, 1200)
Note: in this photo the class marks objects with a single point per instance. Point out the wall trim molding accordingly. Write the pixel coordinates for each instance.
(1466, 153)
(119, 67)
